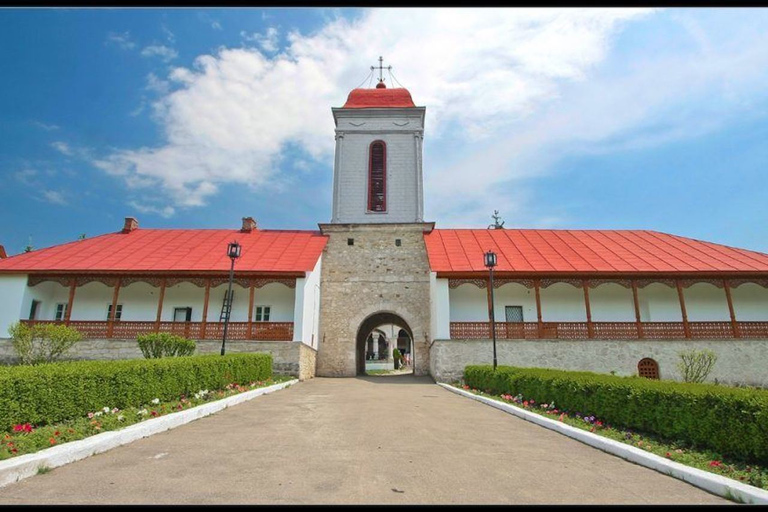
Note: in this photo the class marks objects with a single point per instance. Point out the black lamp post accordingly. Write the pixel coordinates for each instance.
(490, 262)
(233, 251)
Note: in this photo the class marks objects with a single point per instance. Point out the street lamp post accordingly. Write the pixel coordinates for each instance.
(233, 251)
(490, 262)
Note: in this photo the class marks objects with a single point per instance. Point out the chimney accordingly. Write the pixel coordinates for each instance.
(248, 225)
(130, 224)
(3, 254)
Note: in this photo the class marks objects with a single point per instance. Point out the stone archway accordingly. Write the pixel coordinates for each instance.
(367, 326)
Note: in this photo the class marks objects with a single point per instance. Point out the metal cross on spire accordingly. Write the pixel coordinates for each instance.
(381, 69)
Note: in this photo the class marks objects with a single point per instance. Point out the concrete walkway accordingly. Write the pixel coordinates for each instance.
(395, 440)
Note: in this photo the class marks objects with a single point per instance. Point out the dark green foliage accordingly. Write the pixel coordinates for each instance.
(48, 393)
(732, 421)
(164, 344)
(398, 357)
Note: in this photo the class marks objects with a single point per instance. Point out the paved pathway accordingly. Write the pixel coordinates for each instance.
(367, 440)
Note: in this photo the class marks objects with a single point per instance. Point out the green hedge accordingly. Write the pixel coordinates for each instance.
(731, 421)
(49, 393)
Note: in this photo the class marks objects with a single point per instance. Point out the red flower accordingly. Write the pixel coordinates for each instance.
(668, 455)
(57, 433)
(52, 440)
(715, 463)
(154, 413)
(525, 404)
(599, 423)
(25, 427)
(14, 450)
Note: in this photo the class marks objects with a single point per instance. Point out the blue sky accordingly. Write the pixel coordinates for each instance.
(574, 119)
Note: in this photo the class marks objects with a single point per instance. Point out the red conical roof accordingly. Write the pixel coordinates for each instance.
(379, 98)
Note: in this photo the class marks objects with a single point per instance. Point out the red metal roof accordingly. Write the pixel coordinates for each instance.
(379, 98)
(176, 250)
(578, 250)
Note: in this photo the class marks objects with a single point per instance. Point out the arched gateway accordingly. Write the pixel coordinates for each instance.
(368, 326)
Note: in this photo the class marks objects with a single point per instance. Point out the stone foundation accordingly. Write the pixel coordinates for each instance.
(288, 357)
(738, 361)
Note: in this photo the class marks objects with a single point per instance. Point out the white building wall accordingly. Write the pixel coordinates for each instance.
(468, 303)
(659, 303)
(12, 289)
(562, 302)
(750, 301)
(611, 302)
(704, 301)
(139, 302)
(279, 297)
(307, 307)
(440, 302)
(512, 294)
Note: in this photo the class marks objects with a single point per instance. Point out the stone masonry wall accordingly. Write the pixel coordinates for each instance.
(739, 361)
(371, 276)
(288, 358)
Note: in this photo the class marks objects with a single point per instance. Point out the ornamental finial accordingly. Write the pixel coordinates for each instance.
(381, 69)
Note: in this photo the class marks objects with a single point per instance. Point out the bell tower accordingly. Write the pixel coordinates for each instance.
(375, 269)
(377, 176)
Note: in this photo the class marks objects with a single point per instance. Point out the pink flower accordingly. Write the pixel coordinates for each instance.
(22, 427)
(90, 415)
(715, 463)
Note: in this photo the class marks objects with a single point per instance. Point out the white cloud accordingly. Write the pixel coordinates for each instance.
(269, 41)
(508, 92)
(208, 19)
(26, 176)
(168, 34)
(156, 84)
(63, 148)
(45, 126)
(234, 111)
(163, 211)
(55, 197)
(166, 53)
(122, 40)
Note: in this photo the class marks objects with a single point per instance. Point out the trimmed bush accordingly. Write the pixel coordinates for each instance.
(728, 420)
(49, 393)
(164, 344)
(42, 343)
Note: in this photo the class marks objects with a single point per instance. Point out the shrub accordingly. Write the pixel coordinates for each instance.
(49, 393)
(732, 421)
(398, 357)
(42, 343)
(695, 365)
(164, 344)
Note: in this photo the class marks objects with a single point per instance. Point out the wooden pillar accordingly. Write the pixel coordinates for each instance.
(160, 305)
(585, 285)
(682, 308)
(71, 300)
(540, 324)
(638, 321)
(205, 308)
(734, 325)
(111, 326)
(250, 311)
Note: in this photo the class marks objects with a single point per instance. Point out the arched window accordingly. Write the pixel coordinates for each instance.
(377, 177)
(648, 368)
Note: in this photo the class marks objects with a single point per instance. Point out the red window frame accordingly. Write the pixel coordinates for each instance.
(371, 205)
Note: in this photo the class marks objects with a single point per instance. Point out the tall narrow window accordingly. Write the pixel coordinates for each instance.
(61, 311)
(377, 177)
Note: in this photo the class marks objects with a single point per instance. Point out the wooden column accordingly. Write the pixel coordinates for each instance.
(682, 308)
(585, 285)
(111, 326)
(638, 321)
(160, 305)
(71, 300)
(734, 325)
(250, 311)
(205, 308)
(537, 290)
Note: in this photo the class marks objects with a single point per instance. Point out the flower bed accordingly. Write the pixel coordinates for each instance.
(678, 451)
(26, 438)
(727, 420)
(52, 393)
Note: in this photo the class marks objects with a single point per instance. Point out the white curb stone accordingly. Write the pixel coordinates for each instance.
(716, 484)
(24, 466)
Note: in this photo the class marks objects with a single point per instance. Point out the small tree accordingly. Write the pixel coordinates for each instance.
(42, 343)
(162, 344)
(695, 365)
(398, 357)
